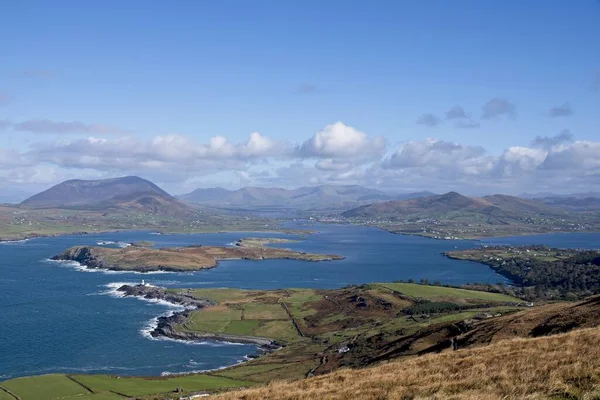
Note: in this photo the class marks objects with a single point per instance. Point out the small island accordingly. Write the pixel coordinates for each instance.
(262, 242)
(179, 259)
(143, 243)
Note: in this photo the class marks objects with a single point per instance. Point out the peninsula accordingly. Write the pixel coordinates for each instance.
(349, 331)
(540, 271)
(178, 259)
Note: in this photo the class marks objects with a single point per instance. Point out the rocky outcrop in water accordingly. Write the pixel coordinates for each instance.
(84, 255)
(157, 293)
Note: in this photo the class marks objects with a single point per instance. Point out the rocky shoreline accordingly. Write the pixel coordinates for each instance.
(166, 324)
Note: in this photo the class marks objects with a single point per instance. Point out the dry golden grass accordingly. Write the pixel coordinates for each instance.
(565, 366)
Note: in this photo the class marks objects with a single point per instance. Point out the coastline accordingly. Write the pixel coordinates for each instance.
(165, 325)
(29, 236)
(474, 238)
(285, 231)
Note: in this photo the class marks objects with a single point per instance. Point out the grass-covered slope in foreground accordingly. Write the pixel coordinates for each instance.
(565, 366)
(394, 345)
(372, 321)
(311, 324)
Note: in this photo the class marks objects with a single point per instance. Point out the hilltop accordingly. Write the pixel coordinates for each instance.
(454, 216)
(126, 193)
(494, 206)
(324, 196)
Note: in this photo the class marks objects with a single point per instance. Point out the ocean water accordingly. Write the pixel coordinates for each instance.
(59, 317)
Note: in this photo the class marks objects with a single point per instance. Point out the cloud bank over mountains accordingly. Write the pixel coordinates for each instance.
(338, 154)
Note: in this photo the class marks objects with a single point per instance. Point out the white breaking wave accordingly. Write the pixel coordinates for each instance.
(14, 241)
(198, 371)
(152, 324)
(123, 244)
(112, 289)
(105, 242)
(82, 268)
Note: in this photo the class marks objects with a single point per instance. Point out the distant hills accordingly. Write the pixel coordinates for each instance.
(136, 194)
(127, 193)
(317, 197)
(495, 207)
(543, 195)
(576, 202)
(573, 203)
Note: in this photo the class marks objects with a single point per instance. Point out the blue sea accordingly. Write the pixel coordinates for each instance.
(59, 317)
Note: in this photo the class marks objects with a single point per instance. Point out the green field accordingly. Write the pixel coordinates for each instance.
(426, 291)
(5, 396)
(142, 387)
(45, 387)
(18, 223)
(371, 317)
(242, 312)
(104, 387)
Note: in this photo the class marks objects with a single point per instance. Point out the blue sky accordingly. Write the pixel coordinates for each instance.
(199, 69)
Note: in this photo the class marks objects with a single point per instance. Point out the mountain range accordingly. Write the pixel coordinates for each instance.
(317, 197)
(127, 193)
(492, 207)
(136, 194)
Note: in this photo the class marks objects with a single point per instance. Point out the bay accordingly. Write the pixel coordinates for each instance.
(59, 318)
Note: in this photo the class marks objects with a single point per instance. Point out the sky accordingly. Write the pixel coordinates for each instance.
(495, 96)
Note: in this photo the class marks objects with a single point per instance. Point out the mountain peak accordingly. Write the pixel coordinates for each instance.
(128, 192)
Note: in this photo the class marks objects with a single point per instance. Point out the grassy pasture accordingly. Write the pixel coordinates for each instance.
(426, 291)
(45, 387)
(141, 387)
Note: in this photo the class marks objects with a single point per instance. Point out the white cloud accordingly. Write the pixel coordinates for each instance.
(339, 141)
(438, 156)
(338, 154)
(332, 165)
(174, 151)
(582, 157)
(433, 163)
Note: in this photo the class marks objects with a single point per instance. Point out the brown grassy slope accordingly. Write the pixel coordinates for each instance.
(546, 320)
(565, 366)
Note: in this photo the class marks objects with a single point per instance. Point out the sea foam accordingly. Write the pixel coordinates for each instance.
(82, 268)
